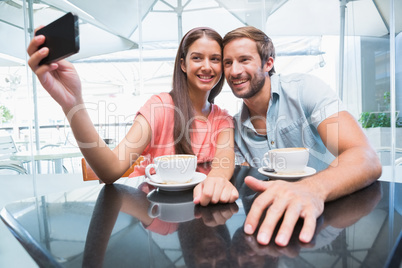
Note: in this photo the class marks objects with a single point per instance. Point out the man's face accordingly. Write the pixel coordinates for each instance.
(242, 67)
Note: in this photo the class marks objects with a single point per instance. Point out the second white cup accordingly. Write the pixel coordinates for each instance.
(287, 160)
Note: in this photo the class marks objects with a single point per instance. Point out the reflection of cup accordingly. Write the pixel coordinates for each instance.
(287, 160)
(173, 168)
(170, 207)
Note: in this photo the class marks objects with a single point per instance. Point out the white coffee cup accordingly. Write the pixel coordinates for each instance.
(178, 168)
(287, 160)
(171, 207)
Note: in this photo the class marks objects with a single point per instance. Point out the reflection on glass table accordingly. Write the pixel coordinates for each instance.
(123, 225)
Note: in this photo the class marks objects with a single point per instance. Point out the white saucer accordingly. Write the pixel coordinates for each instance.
(197, 178)
(308, 171)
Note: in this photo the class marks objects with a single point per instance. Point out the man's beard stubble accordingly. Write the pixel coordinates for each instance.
(256, 84)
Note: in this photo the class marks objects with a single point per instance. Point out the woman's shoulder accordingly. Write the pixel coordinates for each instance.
(166, 97)
(218, 111)
(160, 104)
(163, 97)
(220, 117)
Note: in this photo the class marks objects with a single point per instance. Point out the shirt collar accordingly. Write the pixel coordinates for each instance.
(274, 85)
(245, 113)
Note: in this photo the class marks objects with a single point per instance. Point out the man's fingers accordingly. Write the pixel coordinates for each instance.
(255, 185)
(308, 229)
(258, 207)
(287, 226)
(282, 199)
(274, 214)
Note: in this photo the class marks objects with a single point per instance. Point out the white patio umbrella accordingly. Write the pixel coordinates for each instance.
(108, 26)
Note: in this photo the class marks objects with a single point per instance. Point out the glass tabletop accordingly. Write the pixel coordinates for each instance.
(130, 224)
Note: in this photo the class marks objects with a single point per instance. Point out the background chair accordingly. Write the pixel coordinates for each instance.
(387, 151)
(88, 174)
(8, 148)
(49, 166)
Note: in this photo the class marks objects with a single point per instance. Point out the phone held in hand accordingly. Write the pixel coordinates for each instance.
(62, 38)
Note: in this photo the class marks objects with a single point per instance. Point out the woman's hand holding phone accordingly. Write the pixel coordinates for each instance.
(60, 79)
(62, 38)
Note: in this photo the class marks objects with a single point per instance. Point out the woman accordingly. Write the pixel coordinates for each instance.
(183, 121)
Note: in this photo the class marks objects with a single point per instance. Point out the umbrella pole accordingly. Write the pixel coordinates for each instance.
(35, 95)
(179, 20)
(30, 29)
(341, 46)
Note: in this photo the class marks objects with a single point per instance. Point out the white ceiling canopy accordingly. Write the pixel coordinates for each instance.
(97, 36)
(316, 17)
(109, 26)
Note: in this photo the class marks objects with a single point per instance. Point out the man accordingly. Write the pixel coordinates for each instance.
(293, 111)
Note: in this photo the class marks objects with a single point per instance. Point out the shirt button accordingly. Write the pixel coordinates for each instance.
(272, 142)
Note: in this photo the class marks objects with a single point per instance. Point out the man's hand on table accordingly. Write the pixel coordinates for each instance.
(292, 200)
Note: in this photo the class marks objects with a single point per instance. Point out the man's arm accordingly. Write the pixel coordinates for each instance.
(356, 165)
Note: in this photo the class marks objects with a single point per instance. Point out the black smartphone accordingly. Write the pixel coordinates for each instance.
(62, 38)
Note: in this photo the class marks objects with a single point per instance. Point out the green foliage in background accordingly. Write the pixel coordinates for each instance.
(368, 120)
(379, 119)
(5, 114)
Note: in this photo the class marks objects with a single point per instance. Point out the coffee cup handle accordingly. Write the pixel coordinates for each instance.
(154, 212)
(147, 169)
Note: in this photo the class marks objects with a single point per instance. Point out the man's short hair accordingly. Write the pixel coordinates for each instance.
(265, 47)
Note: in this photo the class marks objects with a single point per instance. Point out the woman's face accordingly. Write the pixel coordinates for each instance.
(203, 64)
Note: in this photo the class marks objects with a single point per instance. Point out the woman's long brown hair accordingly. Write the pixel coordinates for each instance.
(184, 110)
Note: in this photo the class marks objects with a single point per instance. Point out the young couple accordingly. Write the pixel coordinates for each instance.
(294, 111)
